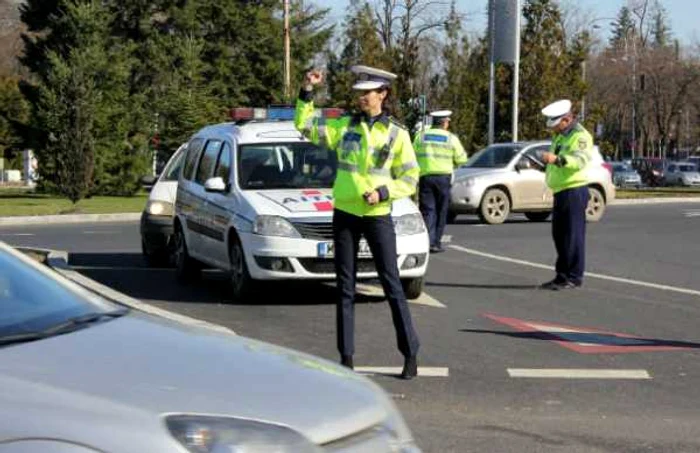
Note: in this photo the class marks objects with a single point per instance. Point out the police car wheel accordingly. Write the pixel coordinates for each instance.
(495, 207)
(241, 283)
(413, 287)
(596, 205)
(186, 267)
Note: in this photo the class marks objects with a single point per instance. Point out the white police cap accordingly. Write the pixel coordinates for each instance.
(440, 114)
(371, 78)
(556, 111)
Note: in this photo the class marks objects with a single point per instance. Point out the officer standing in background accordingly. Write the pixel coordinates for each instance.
(376, 165)
(439, 152)
(567, 165)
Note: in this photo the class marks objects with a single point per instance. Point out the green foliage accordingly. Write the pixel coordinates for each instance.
(14, 112)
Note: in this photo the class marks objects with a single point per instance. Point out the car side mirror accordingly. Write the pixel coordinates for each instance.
(216, 184)
(523, 164)
(148, 180)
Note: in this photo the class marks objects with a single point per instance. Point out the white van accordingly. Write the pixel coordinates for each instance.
(254, 199)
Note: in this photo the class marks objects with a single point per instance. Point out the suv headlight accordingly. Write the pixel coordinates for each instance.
(272, 225)
(208, 434)
(157, 207)
(409, 224)
(468, 182)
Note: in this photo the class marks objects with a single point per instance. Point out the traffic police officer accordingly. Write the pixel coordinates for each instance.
(438, 152)
(376, 165)
(567, 165)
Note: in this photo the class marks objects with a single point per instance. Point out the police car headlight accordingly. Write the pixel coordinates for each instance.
(272, 225)
(205, 434)
(409, 224)
(163, 208)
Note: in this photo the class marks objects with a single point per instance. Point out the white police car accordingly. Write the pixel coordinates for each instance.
(254, 199)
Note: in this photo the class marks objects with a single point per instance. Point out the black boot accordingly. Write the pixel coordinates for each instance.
(410, 368)
(346, 361)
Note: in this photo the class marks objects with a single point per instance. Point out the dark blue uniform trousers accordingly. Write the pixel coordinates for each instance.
(569, 232)
(381, 238)
(434, 200)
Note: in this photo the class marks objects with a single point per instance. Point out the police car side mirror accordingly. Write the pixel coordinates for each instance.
(216, 184)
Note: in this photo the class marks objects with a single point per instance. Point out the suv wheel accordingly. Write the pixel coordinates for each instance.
(451, 216)
(413, 287)
(495, 207)
(596, 205)
(186, 267)
(241, 283)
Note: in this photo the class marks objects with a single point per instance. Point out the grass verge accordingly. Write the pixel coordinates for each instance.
(21, 203)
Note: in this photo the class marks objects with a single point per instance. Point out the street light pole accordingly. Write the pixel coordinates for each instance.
(287, 70)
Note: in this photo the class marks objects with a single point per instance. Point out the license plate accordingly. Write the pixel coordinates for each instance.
(326, 250)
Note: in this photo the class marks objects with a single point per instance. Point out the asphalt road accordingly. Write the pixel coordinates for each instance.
(636, 319)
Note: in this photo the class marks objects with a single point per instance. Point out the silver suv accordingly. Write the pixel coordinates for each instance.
(509, 177)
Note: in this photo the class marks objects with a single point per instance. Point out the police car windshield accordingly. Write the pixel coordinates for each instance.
(285, 166)
(497, 156)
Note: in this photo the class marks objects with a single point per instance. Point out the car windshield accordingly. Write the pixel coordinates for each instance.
(33, 300)
(496, 156)
(295, 165)
(172, 170)
(622, 167)
(687, 167)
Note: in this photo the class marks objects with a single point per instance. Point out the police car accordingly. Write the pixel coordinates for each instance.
(254, 199)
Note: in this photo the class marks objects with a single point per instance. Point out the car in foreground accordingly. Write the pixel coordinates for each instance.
(683, 174)
(156, 226)
(625, 176)
(82, 374)
(509, 177)
(254, 199)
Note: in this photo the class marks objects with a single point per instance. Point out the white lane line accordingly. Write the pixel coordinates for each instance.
(120, 268)
(100, 232)
(611, 278)
(563, 373)
(395, 371)
(377, 291)
(17, 234)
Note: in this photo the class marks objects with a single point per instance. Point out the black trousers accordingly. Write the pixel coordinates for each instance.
(569, 233)
(381, 238)
(434, 201)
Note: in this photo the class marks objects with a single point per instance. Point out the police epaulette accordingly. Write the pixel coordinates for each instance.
(397, 123)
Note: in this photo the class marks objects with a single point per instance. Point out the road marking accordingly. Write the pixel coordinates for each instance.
(377, 291)
(121, 268)
(692, 213)
(17, 234)
(563, 373)
(100, 232)
(611, 278)
(395, 371)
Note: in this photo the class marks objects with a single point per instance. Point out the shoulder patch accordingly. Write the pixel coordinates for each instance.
(582, 143)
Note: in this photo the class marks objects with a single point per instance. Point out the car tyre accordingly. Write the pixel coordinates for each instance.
(413, 287)
(451, 217)
(156, 258)
(596, 205)
(241, 282)
(495, 207)
(187, 268)
(537, 216)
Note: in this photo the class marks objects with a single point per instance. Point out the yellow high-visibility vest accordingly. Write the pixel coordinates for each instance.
(439, 152)
(575, 147)
(368, 158)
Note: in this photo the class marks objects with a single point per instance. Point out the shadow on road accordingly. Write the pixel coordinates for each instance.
(475, 221)
(480, 286)
(601, 339)
(127, 273)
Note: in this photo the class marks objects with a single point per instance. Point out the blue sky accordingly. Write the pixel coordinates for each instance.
(683, 14)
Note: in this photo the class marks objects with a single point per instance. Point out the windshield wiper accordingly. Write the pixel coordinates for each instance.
(70, 325)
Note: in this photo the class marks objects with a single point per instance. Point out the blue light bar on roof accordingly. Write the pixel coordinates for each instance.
(280, 113)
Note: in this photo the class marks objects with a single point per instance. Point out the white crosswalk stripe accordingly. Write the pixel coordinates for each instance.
(692, 213)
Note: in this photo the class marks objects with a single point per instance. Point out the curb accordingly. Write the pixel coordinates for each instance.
(659, 200)
(58, 261)
(69, 218)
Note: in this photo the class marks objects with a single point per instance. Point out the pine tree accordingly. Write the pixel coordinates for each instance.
(623, 28)
(81, 107)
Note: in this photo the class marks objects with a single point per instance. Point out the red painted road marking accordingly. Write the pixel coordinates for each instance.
(590, 341)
